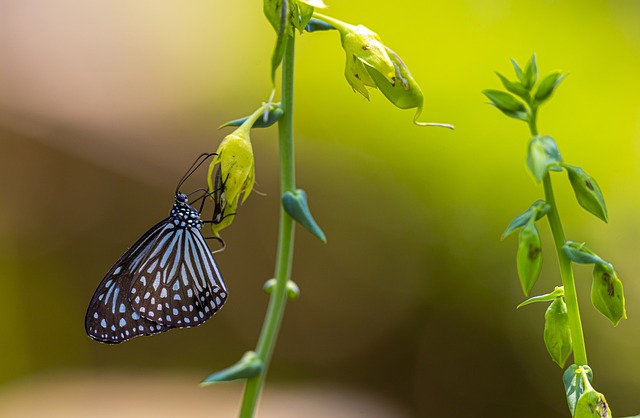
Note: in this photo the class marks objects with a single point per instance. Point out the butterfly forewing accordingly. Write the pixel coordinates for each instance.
(167, 279)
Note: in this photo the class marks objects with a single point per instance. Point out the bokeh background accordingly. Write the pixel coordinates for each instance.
(409, 310)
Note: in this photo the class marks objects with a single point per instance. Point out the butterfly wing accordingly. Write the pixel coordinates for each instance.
(110, 318)
(178, 284)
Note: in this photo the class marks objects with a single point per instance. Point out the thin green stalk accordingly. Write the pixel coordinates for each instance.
(566, 272)
(275, 311)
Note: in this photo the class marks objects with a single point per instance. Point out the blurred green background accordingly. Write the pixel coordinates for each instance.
(103, 106)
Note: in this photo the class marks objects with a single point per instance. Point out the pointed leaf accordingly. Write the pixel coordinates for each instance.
(530, 75)
(539, 208)
(587, 192)
(557, 292)
(517, 69)
(548, 85)
(277, 12)
(295, 204)
(574, 385)
(505, 101)
(507, 104)
(249, 366)
(318, 25)
(515, 87)
(557, 335)
(529, 257)
(580, 254)
(272, 117)
(607, 293)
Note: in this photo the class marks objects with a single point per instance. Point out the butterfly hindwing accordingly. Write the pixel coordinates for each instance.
(179, 284)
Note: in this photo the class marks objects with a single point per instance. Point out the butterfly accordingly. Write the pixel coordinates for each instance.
(167, 279)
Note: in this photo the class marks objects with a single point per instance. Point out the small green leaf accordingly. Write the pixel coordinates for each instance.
(249, 366)
(505, 101)
(277, 12)
(529, 257)
(580, 254)
(607, 293)
(557, 335)
(557, 292)
(273, 12)
(273, 115)
(517, 69)
(543, 154)
(315, 25)
(295, 204)
(539, 208)
(530, 75)
(587, 192)
(548, 85)
(515, 87)
(574, 384)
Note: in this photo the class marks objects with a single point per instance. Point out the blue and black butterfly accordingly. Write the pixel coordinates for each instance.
(167, 279)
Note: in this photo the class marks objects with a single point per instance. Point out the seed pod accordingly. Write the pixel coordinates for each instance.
(529, 257)
(607, 293)
(557, 335)
(587, 191)
(592, 404)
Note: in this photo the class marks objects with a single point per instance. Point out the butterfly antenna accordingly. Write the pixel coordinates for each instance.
(196, 164)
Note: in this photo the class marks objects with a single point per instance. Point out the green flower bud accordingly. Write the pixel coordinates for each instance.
(587, 192)
(529, 257)
(592, 404)
(543, 154)
(607, 293)
(557, 335)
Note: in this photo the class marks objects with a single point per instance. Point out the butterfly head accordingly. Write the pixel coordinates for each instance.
(181, 198)
(184, 215)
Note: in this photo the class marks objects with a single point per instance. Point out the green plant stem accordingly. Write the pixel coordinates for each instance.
(566, 272)
(277, 301)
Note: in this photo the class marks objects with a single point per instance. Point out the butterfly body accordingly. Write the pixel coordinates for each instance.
(167, 279)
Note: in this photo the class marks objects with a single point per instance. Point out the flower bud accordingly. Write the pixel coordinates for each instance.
(365, 50)
(234, 173)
